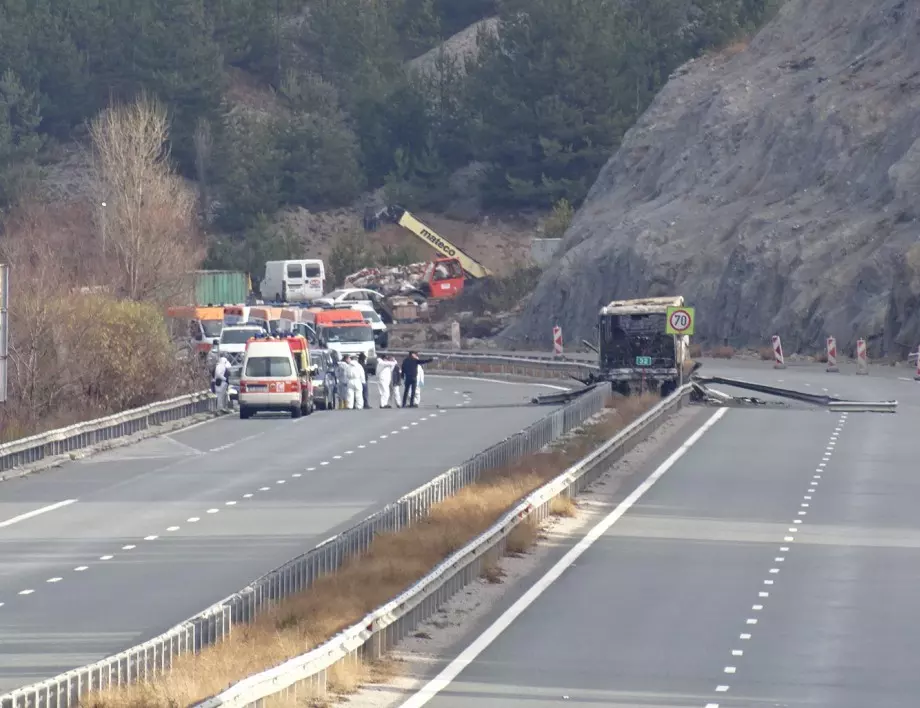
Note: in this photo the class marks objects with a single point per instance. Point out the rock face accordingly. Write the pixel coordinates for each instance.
(776, 187)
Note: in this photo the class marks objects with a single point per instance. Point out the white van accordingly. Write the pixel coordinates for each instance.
(274, 379)
(293, 281)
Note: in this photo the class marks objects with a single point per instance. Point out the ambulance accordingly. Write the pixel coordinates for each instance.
(269, 318)
(197, 327)
(345, 332)
(236, 315)
(277, 376)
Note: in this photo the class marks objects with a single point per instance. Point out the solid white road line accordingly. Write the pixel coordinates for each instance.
(37, 512)
(468, 655)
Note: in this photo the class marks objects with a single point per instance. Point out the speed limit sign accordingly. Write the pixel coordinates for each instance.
(681, 320)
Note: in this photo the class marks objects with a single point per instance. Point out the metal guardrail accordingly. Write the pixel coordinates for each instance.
(382, 629)
(82, 435)
(153, 657)
(503, 364)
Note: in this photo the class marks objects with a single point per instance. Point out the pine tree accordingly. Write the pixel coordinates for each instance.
(19, 139)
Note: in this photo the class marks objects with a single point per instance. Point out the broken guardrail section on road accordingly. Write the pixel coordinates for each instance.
(703, 394)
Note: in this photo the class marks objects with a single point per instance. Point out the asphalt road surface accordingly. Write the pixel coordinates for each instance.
(775, 563)
(104, 553)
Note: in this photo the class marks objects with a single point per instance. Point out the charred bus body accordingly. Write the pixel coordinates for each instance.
(635, 353)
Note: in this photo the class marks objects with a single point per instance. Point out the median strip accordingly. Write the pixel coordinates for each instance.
(393, 562)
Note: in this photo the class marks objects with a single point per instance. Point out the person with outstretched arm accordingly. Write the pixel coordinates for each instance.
(409, 371)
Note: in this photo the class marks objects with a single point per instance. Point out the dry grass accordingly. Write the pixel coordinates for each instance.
(522, 537)
(821, 357)
(722, 353)
(393, 562)
(766, 353)
(696, 351)
(563, 506)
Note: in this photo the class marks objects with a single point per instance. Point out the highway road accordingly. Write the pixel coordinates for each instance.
(103, 553)
(774, 562)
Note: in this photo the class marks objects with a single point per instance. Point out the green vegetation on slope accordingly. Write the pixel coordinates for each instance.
(542, 106)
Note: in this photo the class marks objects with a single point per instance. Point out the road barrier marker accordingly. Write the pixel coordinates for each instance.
(779, 362)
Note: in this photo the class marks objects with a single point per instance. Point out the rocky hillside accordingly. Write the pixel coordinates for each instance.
(774, 185)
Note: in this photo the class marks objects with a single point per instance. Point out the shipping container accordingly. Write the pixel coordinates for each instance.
(221, 287)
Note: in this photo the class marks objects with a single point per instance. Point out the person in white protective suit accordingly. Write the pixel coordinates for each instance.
(418, 389)
(385, 366)
(356, 380)
(342, 370)
(222, 382)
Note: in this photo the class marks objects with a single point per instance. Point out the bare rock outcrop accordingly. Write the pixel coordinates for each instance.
(775, 186)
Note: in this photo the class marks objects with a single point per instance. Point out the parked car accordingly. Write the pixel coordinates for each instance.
(373, 318)
(351, 296)
(324, 379)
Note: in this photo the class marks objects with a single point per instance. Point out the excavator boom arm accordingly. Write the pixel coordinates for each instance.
(442, 245)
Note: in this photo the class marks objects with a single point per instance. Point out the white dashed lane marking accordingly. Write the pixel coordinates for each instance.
(213, 510)
(808, 498)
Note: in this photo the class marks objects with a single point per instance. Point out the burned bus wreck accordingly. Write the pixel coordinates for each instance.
(634, 351)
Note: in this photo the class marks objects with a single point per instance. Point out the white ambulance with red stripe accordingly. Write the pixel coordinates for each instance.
(277, 375)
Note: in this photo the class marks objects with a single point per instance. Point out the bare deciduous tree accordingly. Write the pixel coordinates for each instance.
(150, 220)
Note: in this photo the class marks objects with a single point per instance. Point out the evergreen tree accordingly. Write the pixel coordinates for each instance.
(248, 33)
(174, 56)
(36, 44)
(19, 139)
(320, 166)
(418, 26)
(551, 98)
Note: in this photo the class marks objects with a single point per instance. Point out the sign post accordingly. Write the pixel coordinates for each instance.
(681, 321)
(4, 327)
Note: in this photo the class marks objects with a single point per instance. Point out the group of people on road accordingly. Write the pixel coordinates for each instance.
(399, 383)
(347, 382)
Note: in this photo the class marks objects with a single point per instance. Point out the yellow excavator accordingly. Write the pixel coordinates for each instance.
(445, 276)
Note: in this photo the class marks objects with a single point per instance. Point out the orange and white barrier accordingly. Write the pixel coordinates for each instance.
(778, 361)
(557, 341)
(862, 358)
(832, 354)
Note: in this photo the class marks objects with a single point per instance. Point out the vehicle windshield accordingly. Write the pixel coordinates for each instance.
(212, 328)
(238, 336)
(348, 334)
(312, 271)
(371, 315)
(268, 366)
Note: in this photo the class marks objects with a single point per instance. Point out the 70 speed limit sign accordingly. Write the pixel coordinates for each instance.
(681, 320)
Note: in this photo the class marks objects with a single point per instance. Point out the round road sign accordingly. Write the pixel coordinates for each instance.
(680, 320)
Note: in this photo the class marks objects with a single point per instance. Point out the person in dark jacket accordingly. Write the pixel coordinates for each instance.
(409, 370)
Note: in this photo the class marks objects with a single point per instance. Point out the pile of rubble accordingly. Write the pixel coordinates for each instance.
(389, 281)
